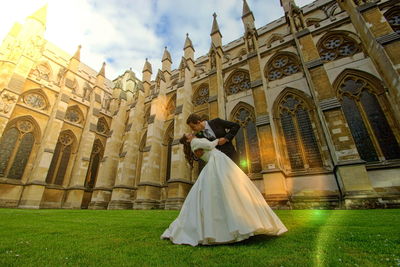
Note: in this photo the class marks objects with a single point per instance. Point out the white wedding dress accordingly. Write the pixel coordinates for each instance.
(223, 205)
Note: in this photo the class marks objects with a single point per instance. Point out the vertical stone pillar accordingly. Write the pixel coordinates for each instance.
(76, 188)
(121, 197)
(108, 166)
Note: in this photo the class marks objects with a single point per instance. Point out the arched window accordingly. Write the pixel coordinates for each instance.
(337, 45)
(201, 95)
(102, 126)
(74, 115)
(282, 65)
(168, 138)
(95, 157)
(171, 105)
(35, 99)
(61, 158)
(238, 81)
(362, 102)
(393, 17)
(300, 141)
(246, 139)
(139, 161)
(15, 148)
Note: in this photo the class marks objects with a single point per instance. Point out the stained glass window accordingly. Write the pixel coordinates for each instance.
(393, 17)
(15, 148)
(35, 100)
(96, 155)
(335, 46)
(73, 115)
(171, 105)
(61, 158)
(22, 156)
(247, 140)
(238, 82)
(300, 139)
(201, 95)
(102, 126)
(7, 146)
(367, 121)
(282, 65)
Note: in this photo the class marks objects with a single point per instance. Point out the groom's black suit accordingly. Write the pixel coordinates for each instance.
(227, 129)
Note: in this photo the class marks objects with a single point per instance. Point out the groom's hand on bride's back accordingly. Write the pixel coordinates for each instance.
(199, 153)
(222, 141)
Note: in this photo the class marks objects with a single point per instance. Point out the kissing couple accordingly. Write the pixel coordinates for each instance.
(223, 206)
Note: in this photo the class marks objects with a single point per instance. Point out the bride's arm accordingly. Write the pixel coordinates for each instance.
(203, 143)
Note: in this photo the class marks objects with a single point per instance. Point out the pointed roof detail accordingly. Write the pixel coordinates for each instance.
(166, 55)
(188, 42)
(40, 15)
(183, 64)
(103, 70)
(147, 67)
(215, 27)
(246, 9)
(160, 75)
(77, 54)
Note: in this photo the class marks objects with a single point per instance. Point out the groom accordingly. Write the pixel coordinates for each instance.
(225, 131)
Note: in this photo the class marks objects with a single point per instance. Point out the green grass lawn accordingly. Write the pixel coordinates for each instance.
(132, 238)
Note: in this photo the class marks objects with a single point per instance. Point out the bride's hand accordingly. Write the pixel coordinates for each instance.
(199, 153)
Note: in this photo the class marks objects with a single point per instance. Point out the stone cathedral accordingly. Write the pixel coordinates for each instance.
(316, 92)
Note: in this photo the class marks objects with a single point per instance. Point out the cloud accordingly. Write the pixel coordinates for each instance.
(125, 32)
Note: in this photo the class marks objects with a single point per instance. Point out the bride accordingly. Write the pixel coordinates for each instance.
(223, 205)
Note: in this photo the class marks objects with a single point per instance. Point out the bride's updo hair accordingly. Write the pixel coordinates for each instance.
(189, 155)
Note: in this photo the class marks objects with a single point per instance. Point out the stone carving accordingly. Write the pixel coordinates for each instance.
(86, 91)
(362, 2)
(6, 102)
(249, 38)
(297, 17)
(60, 75)
(41, 72)
(213, 63)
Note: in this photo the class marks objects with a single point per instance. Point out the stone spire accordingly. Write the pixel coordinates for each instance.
(215, 27)
(166, 55)
(102, 72)
(246, 9)
(147, 67)
(188, 42)
(40, 15)
(77, 54)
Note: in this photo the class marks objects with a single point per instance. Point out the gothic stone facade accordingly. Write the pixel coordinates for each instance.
(317, 94)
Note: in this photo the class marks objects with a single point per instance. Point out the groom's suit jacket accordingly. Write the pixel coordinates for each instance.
(227, 129)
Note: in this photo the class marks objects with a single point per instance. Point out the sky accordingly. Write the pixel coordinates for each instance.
(123, 33)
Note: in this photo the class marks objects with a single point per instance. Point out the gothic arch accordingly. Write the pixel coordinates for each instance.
(237, 81)
(274, 37)
(393, 18)
(338, 44)
(166, 154)
(139, 160)
(298, 131)
(241, 53)
(74, 114)
(43, 70)
(102, 126)
(369, 115)
(247, 141)
(36, 99)
(94, 163)
(20, 138)
(62, 158)
(201, 95)
(171, 105)
(281, 65)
